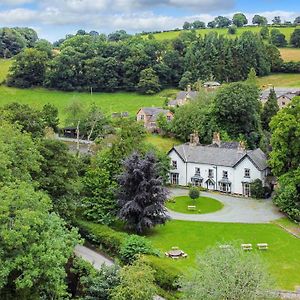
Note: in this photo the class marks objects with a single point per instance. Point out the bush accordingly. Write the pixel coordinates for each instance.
(102, 235)
(166, 275)
(257, 189)
(194, 193)
(232, 29)
(133, 246)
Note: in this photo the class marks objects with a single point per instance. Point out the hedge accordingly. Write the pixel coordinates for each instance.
(166, 274)
(102, 235)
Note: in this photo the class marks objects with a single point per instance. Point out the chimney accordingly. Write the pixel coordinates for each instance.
(194, 139)
(241, 147)
(189, 88)
(216, 139)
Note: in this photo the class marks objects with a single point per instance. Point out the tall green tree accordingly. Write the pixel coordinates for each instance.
(285, 128)
(28, 69)
(149, 82)
(35, 245)
(236, 109)
(239, 20)
(278, 38)
(270, 109)
(260, 20)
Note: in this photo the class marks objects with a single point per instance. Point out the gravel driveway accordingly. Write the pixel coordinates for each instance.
(235, 210)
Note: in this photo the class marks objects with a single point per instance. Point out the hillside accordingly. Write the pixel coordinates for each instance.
(287, 31)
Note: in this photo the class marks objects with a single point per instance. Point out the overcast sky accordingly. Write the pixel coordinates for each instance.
(53, 19)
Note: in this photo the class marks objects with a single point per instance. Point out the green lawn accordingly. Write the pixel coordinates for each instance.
(203, 205)
(194, 237)
(287, 31)
(162, 143)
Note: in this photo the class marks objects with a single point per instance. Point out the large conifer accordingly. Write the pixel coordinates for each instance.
(270, 109)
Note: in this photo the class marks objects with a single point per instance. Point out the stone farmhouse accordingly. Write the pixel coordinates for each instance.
(184, 97)
(222, 166)
(284, 95)
(211, 85)
(148, 115)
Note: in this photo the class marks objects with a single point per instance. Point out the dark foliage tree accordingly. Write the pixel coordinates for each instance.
(239, 20)
(295, 38)
(259, 20)
(297, 21)
(232, 29)
(270, 109)
(236, 109)
(28, 70)
(276, 20)
(212, 24)
(274, 56)
(198, 24)
(44, 46)
(142, 196)
(187, 26)
(278, 38)
(119, 35)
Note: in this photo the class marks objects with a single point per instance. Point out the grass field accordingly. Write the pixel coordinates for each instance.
(204, 205)
(290, 54)
(162, 143)
(280, 80)
(282, 257)
(108, 102)
(287, 31)
(4, 66)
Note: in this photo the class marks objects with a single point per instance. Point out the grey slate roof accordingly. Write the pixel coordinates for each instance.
(212, 83)
(287, 92)
(184, 94)
(153, 112)
(226, 157)
(228, 145)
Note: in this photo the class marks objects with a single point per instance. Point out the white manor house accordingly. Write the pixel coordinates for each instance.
(223, 166)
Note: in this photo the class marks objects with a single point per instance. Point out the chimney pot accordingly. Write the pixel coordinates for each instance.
(217, 139)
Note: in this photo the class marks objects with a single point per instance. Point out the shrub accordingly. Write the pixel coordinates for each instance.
(232, 29)
(102, 235)
(257, 189)
(194, 193)
(133, 246)
(166, 275)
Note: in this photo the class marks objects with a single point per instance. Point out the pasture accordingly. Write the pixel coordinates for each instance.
(287, 31)
(290, 54)
(279, 80)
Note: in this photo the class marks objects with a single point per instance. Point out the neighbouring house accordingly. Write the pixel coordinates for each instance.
(284, 95)
(69, 132)
(223, 166)
(148, 115)
(184, 97)
(211, 85)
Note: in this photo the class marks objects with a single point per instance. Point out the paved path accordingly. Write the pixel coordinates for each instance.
(235, 210)
(95, 258)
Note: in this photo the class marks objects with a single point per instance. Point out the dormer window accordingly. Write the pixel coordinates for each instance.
(174, 164)
(247, 173)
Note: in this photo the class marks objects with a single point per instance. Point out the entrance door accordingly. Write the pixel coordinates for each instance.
(174, 178)
(247, 190)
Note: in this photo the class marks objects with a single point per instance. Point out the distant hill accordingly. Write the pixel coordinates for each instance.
(287, 31)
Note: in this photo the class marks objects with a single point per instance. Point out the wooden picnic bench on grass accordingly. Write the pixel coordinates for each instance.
(246, 247)
(263, 246)
(191, 207)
